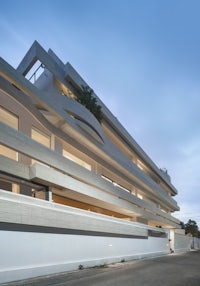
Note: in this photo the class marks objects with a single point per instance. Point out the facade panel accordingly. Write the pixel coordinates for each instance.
(107, 172)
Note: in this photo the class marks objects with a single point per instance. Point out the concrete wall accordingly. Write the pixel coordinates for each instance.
(196, 243)
(39, 237)
(182, 243)
(28, 254)
(179, 241)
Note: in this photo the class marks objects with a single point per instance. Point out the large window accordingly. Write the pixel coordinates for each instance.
(13, 121)
(76, 160)
(40, 137)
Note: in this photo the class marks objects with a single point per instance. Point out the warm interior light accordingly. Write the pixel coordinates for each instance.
(77, 160)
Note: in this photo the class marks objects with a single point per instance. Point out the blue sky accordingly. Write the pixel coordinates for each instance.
(141, 57)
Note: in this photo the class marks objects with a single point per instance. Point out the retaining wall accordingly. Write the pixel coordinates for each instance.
(39, 237)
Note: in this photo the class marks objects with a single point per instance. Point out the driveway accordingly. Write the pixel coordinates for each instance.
(174, 269)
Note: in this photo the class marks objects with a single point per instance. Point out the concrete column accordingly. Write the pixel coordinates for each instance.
(48, 194)
(172, 240)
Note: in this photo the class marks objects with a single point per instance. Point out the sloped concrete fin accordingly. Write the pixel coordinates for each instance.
(36, 52)
(29, 59)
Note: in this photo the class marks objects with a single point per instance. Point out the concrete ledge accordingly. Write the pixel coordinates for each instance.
(13, 167)
(19, 209)
(108, 198)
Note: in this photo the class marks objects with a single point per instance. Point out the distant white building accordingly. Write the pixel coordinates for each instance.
(64, 172)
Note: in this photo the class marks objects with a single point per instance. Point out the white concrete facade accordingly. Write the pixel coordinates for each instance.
(67, 179)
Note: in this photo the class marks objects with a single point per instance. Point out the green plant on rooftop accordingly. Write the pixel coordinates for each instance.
(87, 99)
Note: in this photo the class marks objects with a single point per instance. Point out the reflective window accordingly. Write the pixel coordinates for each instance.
(76, 160)
(13, 121)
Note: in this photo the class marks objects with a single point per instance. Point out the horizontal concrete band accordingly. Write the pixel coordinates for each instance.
(41, 174)
(66, 73)
(20, 209)
(25, 145)
(154, 233)
(121, 198)
(42, 229)
(55, 230)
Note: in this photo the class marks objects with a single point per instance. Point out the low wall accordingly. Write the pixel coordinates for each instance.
(39, 238)
(179, 242)
(195, 243)
(27, 254)
(182, 243)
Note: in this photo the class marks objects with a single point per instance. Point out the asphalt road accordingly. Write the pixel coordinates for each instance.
(174, 269)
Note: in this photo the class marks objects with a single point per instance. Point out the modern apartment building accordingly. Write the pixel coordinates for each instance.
(62, 158)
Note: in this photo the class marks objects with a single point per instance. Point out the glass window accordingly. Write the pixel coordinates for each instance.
(13, 121)
(140, 196)
(8, 118)
(40, 137)
(76, 160)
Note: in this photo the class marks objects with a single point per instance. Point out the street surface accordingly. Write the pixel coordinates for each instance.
(171, 270)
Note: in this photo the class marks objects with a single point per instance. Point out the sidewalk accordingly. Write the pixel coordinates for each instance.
(174, 269)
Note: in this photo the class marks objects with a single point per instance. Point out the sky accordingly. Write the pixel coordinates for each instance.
(141, 57)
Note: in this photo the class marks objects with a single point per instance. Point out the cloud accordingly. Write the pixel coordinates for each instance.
(188, 211)
(11, 38)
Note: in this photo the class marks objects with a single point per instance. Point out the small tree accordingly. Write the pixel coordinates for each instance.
(182, 225)
(192, 228)
(87, 99)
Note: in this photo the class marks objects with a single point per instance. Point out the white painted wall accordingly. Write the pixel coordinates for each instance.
(25, 254)
(28, 254)
(179, 241)
(196, 243)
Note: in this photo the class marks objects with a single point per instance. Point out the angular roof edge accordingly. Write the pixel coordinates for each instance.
(52, 62)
